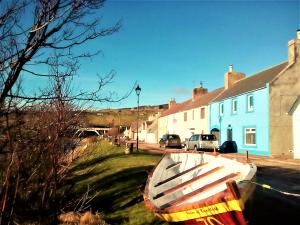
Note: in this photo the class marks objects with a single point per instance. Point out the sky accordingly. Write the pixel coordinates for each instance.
(169, 47)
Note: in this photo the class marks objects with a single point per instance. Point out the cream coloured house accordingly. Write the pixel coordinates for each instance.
(147, 130)
(189, 117)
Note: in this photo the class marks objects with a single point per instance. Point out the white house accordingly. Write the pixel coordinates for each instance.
(147, 130)
(189, 117)
(295, 113)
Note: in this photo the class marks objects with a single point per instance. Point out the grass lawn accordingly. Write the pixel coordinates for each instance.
(117, 181)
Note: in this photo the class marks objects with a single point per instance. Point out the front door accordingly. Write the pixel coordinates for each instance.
(229, 133)
(216, 132)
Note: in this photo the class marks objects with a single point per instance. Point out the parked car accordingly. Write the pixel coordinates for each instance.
(170, 140)
(202, 142)
(228, 147)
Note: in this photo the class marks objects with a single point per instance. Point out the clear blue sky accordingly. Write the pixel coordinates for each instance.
(170, 46)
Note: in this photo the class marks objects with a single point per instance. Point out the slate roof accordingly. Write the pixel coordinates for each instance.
(190, 104)
(253, 82)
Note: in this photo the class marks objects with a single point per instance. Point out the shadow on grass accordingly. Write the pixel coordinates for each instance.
(94, 161)
(116, 192)
(72, 180)
(122, 189)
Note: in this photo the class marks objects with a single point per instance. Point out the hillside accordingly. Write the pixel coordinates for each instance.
(119, 117)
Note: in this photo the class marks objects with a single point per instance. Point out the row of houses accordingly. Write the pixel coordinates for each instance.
(148, 130)
(260, 112)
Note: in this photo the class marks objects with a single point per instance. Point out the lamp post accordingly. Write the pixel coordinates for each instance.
(137, 91)
(220, 133)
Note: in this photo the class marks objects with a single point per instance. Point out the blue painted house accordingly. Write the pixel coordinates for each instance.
(254, 110)
(241, 111)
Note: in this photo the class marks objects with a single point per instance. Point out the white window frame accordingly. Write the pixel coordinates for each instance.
(249, 107)
(221, 109)
(234, 103)
(249, 130)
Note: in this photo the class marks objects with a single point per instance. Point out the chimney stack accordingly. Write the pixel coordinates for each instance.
(231, 77)
(294, 49)
(172, 103)
(198, 92)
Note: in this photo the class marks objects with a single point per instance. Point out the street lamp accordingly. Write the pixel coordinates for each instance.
(137, 91)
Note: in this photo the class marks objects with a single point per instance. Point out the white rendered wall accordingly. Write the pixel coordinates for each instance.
(175, 124)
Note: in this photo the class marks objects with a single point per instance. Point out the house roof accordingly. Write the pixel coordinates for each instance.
(190, 104)
(251, 83)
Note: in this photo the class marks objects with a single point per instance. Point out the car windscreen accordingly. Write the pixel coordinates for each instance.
(208, 137)
(172, 136)
(164, 137)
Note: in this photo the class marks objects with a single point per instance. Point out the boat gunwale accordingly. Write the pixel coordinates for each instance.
(216, 154)
(220, 197)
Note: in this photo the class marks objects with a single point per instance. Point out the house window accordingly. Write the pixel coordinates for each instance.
(250, 105)
(234, 106)
(174, 119)
(193, 115)
(221, 109)
(202, 113)
(250, 136)
(185, 116)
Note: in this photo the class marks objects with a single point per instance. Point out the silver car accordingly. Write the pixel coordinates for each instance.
(202, 142)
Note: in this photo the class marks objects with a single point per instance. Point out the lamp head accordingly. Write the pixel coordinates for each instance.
(138, 90)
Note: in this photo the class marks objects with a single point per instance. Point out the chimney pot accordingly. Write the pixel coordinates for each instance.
(230, 78)
(294, 49)
(172, 103)
(197, 92)
(230, 68)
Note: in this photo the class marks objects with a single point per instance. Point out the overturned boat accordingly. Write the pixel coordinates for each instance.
(200, 188)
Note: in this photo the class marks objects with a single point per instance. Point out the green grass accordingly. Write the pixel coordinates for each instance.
(117, 180)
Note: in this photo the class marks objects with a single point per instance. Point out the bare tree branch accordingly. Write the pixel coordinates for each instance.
(57, 24)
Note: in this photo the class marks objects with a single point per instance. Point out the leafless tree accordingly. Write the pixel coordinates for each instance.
(53, 24)
(45, 33)
(37, 144)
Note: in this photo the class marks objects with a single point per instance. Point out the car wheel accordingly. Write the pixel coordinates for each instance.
(195, 148)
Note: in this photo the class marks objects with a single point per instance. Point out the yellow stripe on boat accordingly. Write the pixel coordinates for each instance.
(233, 205)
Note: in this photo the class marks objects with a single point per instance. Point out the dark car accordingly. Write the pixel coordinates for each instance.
(170, 140)
(228, 147)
